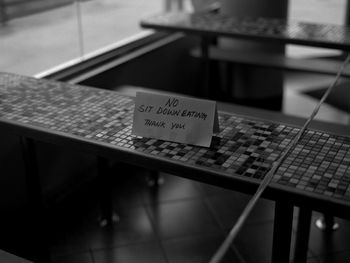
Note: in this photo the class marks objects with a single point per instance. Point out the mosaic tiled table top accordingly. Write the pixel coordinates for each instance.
(245, 148)
(297, 32)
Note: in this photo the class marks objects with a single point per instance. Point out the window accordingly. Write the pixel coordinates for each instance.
(37, 35)
(316, 11)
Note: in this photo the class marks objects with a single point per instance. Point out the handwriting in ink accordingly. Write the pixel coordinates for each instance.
(167, 111)
(159, 124)
(172, 102)
(144, 108)
(194, 114)
(177, 126)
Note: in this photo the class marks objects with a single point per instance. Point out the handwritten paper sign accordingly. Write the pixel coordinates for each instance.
(174, 118)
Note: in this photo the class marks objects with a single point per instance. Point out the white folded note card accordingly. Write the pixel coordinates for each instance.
(175, 118)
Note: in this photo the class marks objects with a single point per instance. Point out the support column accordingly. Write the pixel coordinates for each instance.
(327, 223)
(173, 5)
(36, 217)
(252, 84)
(205, 92)
(347, 13)
(108, 217)
(3, 15)
(282, 232)
(154, 179)
(302, 235)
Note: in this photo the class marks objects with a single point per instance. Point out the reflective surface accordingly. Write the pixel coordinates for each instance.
(166, 227)
(37, 41)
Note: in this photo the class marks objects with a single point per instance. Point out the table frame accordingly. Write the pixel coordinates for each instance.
(285, 197)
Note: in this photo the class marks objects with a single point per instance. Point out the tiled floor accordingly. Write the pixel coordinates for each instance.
(179, 221)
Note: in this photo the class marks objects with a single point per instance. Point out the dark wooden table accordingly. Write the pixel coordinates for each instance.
(315, 176)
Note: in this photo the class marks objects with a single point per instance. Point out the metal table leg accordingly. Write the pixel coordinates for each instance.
(37, 216)
(327, 223)
(3, 15)
(154, 178)
(108, 217)
(205, 42)
(302, 236)
(282, 232)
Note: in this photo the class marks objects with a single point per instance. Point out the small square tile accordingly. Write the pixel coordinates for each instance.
(144, 252)
(73, 258)
(228, 208)
(196, 249)
(182, 218)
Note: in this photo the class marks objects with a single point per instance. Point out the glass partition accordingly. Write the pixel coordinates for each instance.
(37, 35)
(316, 11)
(33, 40)
(108, 21)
